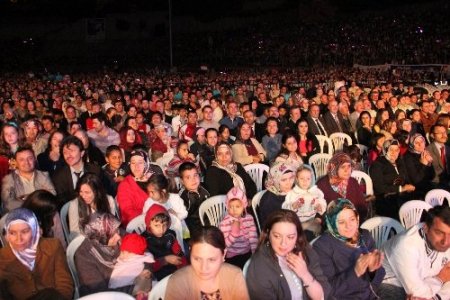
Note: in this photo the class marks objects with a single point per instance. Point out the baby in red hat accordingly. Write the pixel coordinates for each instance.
(132, 266)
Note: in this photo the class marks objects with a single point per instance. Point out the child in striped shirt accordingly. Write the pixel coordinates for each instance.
(239, 229)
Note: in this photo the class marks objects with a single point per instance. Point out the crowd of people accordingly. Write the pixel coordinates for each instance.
(119, 148)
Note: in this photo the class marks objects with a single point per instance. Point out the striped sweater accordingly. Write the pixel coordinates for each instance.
(245, 241)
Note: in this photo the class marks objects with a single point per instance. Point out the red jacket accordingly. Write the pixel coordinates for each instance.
(131, 199)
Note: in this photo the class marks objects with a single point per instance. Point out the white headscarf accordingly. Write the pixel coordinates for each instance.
(22, 215)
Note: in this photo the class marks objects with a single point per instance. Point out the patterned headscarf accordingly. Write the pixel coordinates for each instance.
(277, 170)
(413, 138)
(335, 163)
(100, 228)
(144, 155)
(331, 218)
(231, 168)
(22, 215)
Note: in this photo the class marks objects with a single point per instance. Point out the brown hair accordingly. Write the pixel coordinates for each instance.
(210, 235)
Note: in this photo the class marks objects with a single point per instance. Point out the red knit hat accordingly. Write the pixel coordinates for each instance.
(154, 210)
(133, 243)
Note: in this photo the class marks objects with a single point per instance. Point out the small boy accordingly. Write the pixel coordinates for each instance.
(115, 168)
(132, 266)
(162, 243)
(193, 194)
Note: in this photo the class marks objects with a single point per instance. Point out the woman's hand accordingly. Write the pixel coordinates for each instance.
(426, 158)
(376, 260)
(408, 188)
(297, 264)
(362, 264)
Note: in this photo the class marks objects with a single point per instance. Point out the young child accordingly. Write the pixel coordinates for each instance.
(157, 188)
(193, 194)
(162, 243)
(307, 200)
(115, 168)
(239, 229)
(132, 266)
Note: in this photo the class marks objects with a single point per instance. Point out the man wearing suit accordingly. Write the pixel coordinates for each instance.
(258, 130)
(441, 156)
(333, 119)
(294, 115)
(65, 179)
(315, 122)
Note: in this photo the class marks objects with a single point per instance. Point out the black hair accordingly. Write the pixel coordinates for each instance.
(441, 211)
(101, 117)
(210, 235)
(112, 148)
(162, 218)
(160, 181)
(72, 140)
(26, 147)
(44, 205)
(186, 166)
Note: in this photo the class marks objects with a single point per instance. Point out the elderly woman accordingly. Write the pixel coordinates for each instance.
(97, 254)
(159, 141)
(208, 276)
(31, 266)
(391, 182)
(347, 254)
(339, 183)
(224, 174)
(284, 266)
(132, 191)
(418, 164)
(247, 150)
(280, 181)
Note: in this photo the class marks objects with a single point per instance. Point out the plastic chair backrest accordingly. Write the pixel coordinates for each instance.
(322, 139)
(339, 139)
(70, 253)
(2, 231)
(158, 292)
(364, 150)
(245, 269)
(256, 172)
(178, 183)
(319, 163)
(437, 196)
(136, 225)
(108, 296)
(381, 229)
(411, 212)
(359, 176)
(214, 208)
(64, 221)
(255, 203)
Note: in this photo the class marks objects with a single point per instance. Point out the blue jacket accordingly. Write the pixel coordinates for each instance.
(338, 260)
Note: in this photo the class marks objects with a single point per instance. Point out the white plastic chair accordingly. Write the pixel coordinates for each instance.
(178, 183)
(214, 208)
(245, 269)
(436, 197)
(359, 176)
(136, 225)
(2, 231)
(319, 163)
(364, 150)
(322, 139)
(255, 203)
(339, 139)
(411, 211)
(64, 221)
(158, 292)
(256, 172)
(381, 227)
(70, 252)
(108, 296)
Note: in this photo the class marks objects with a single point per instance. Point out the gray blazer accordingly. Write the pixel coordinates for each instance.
(441, 175)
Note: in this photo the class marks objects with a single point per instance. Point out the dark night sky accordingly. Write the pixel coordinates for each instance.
(202, 9)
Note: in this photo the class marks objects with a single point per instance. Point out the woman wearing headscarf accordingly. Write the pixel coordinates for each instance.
(247, 150)
(339, 183)
(391, 183)
(31, 266)
(347, 254)
(279, 182)
(132, 191)
(418, 164)
(97, 254)
(225, 174)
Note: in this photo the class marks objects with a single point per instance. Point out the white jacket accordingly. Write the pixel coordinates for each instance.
(311, 199)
